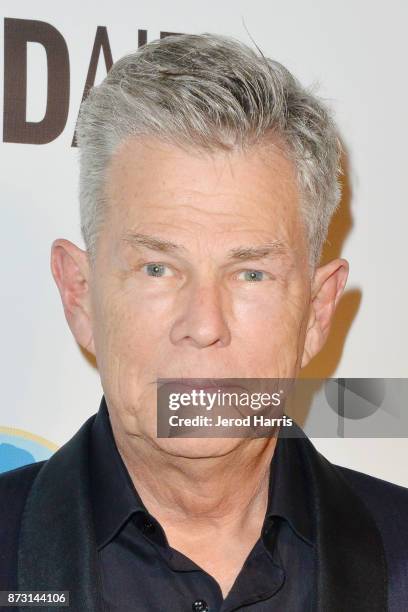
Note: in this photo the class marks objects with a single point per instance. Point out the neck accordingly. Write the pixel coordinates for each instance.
(225, 493)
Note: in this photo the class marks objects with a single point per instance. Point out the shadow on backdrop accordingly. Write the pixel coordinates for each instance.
(325, 363)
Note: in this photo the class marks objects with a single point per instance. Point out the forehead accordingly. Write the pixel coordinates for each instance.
(150, 182)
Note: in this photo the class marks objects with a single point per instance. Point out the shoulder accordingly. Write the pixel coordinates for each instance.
(388, 501)
(14, 485)
(388, 505)
(14, 488)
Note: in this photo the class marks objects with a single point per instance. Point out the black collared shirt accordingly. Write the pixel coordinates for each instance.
(141, 572)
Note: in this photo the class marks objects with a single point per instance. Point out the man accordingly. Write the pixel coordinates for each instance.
(208, 180)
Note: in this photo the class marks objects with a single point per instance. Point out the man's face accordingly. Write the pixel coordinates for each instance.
(229, 299)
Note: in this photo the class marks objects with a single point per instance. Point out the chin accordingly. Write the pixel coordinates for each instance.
(194, 448)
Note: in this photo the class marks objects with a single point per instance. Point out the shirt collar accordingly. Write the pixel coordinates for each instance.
(289, 490)
(114, 497)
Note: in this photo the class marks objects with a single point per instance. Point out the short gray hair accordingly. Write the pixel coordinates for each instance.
(211, 92)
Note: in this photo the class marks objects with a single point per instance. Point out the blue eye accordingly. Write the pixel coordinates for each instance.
(253, 275)
(155, 269)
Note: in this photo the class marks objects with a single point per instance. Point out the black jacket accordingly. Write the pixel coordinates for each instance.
(47, 539)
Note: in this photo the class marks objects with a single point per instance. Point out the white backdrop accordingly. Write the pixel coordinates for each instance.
(357, 52)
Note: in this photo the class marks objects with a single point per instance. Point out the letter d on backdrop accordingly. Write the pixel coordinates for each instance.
(17, 33)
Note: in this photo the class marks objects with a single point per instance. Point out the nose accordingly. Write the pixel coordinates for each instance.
(201, 322)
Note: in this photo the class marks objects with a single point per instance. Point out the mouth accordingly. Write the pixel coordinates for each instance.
(200, 383)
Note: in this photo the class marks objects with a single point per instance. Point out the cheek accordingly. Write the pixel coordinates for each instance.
(128, 350)
(129, 328)
(271, 326)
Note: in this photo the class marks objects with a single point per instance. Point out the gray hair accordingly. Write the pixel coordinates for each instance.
(211, 92)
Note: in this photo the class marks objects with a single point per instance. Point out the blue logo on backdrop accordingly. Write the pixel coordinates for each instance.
(18, 448)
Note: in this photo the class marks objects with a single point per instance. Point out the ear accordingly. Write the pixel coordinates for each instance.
(70, 269)
(327, 287)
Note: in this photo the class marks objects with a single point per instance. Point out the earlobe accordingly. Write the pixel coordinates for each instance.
(70, 269)
(328, 285)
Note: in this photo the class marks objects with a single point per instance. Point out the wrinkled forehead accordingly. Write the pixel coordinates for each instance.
(190, 195)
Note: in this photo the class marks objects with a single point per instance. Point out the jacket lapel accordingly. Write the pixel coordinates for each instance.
(352, 573)
(57, 550)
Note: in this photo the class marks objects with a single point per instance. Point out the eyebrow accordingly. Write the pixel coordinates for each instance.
(269, 249)
(276, 247)
(153, 243)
